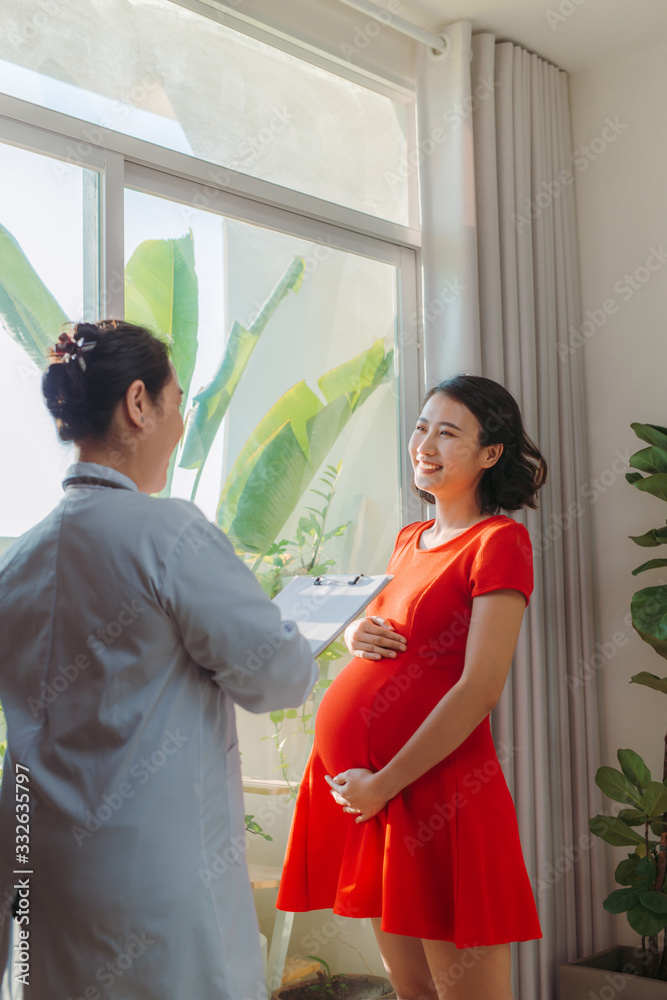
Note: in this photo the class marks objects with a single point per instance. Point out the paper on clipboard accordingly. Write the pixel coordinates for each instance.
(323, 607)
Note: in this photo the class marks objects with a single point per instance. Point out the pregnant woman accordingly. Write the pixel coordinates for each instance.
(403, 813)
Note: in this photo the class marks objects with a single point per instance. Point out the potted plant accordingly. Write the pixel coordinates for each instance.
(351, 986)
(640, 972)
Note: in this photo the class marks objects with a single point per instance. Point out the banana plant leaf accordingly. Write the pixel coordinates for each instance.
(162, 294)
(28, 310)
(212, 401)
(280, 458)
(648, 607)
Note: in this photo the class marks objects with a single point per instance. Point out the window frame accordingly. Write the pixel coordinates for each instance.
(124, 161)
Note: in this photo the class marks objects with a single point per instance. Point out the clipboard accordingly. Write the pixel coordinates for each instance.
(323, 607)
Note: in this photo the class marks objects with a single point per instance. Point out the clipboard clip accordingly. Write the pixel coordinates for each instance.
(317, 582)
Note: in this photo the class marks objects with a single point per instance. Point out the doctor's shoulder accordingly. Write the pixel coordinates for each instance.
(182, 521)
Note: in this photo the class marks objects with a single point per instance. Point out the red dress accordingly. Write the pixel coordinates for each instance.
(443, 859)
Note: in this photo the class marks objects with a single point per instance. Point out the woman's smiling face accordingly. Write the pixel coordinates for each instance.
(444, 448)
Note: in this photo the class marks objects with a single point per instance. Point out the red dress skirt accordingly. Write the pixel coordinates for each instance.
(442, 860)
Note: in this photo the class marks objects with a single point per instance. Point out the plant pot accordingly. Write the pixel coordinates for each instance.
(350, 986)
(606, 975)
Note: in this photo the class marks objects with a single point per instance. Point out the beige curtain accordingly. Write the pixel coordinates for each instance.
(501, 292)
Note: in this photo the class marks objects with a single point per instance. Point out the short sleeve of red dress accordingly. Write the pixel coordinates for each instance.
(504, 560)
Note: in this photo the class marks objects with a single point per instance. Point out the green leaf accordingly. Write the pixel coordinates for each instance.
(650, 680)
(649, 616)
(271, 487)
(656, 902)
(651, 564)
(614, 831)
(28, 310)
(654, 799)
(656, 485)
(283, 454)
(651, 459)
(656, 536)
(625, 870)
(290, 713)
(277, 716)
(633, 817)
(212, 401)
(634, 768)
(645, 874)
(645, 921)
(651, 433)
(162, 294)
(615, 784)
(621, 900)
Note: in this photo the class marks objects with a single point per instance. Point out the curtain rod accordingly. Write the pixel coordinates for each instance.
(438, 42)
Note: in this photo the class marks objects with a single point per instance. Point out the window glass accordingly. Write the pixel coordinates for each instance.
(190, 84)
(45, 225)
(307, 332)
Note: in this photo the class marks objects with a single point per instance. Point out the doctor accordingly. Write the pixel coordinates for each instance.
(128, 629)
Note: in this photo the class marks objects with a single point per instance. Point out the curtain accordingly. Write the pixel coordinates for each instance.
(501, 297)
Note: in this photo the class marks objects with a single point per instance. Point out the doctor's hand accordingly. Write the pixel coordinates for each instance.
(372, 638)
(358, 791)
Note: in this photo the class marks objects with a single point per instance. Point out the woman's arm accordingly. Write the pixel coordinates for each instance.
(494, 629)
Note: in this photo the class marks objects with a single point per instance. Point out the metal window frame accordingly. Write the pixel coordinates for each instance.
(123, 161)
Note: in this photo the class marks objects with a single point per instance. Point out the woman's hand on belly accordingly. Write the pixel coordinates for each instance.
(357, 791)
(372, 638)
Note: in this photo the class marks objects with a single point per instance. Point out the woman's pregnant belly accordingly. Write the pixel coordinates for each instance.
(374, 706)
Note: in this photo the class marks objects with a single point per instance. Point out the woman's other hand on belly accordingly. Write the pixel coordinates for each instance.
(372, 638)
(358, 791)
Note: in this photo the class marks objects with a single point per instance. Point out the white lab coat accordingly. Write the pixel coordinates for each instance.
(128, 627)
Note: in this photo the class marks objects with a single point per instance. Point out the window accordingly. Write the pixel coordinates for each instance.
(218, 95)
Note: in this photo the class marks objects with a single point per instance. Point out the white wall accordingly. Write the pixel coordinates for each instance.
(621, 198)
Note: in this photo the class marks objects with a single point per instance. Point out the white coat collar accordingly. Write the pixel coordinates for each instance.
(103, 471)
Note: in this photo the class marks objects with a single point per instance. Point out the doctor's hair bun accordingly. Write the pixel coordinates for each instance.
(513, 481)
(91, 369)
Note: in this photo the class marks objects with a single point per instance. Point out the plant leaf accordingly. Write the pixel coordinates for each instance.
(651, 459)
(654, 799)
(271, 473)
(654, 901)
(614, 831)
(634, 768)
(648, 608)
(656, 536)
(615, 784)
(625, 870)
(645, 922)
(656, 484)
(621, 900)
(651, 564)
(651, 433)
(28, 310)
(212, 401)
(162, 294)
(650, 680)
(633, 817)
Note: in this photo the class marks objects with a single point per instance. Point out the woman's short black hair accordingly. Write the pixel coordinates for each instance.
(513, 481)
(83, 401)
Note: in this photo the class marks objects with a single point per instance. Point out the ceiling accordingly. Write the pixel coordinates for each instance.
(572, 34)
